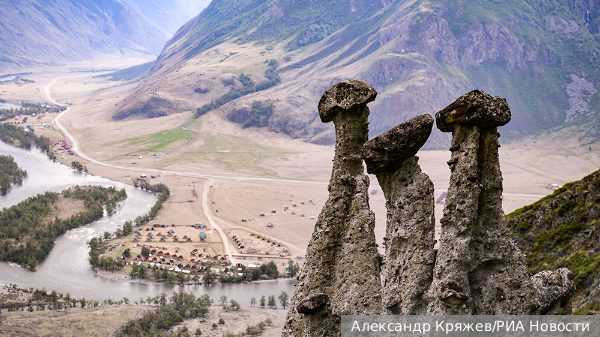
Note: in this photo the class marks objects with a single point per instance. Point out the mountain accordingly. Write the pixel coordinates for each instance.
(169, 15)
(563, 230)
(53, 32)
(420, 55)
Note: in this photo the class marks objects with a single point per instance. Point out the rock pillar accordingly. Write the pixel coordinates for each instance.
(341, 275)
(479, 270)
(410, 229)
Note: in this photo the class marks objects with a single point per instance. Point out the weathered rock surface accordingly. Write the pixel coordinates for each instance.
(387, 152)
(475, 108)
(409, 240)
(341, 275)
(554, 289)
(479, 270)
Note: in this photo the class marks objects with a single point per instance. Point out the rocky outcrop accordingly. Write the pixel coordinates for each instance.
(341, 275)
(479, 270)
(409, 240)
(580, 92)
(152, 108)
(553, 291)
(564, 229)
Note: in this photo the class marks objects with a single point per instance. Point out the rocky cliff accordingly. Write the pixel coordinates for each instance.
(563, 230)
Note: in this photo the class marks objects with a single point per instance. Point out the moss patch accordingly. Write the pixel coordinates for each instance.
(163, 139)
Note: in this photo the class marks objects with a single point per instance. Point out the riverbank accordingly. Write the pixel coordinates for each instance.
(41, 219)
(63, 315)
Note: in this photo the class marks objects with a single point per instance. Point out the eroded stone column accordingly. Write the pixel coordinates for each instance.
(479, 270)
(410, 229)
(341, 275)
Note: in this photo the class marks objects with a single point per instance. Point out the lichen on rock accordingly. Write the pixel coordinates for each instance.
(341, 275)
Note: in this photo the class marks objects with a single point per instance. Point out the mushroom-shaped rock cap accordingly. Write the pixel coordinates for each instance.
(345, 96)
(474, 108)
(387, 152)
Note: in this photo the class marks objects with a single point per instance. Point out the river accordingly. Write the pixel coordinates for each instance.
(67, 269)
(9, 106)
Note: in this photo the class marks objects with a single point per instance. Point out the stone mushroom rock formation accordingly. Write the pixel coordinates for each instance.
(410, 230)
(341, 275)
(478, 269)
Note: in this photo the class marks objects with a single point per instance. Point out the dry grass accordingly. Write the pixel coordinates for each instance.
(99, 321)
(104, 321)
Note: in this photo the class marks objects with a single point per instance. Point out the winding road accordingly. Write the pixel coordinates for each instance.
(230, 249)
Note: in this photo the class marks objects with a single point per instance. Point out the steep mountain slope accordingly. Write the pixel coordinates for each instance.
(51, 32)
(541, 55)
(169, 15)
(563, 230)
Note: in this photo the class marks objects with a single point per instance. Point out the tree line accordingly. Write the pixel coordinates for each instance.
(10, 173)
(248, 87)
(9, 134)
(164, 195)
(26, 236)
(153, 323)
(6, 114)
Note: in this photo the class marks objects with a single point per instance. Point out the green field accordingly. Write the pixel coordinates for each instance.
(237, 153)
(163, 139)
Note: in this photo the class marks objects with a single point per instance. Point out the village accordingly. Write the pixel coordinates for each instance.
(196, 249)
(235, 248)
(230, 242)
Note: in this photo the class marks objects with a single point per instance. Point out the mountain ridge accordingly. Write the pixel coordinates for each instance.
(539, 54)
(51, 33)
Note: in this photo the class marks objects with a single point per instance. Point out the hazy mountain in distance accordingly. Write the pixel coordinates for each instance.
(52, 32)
(170, 14)
(542, 55)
